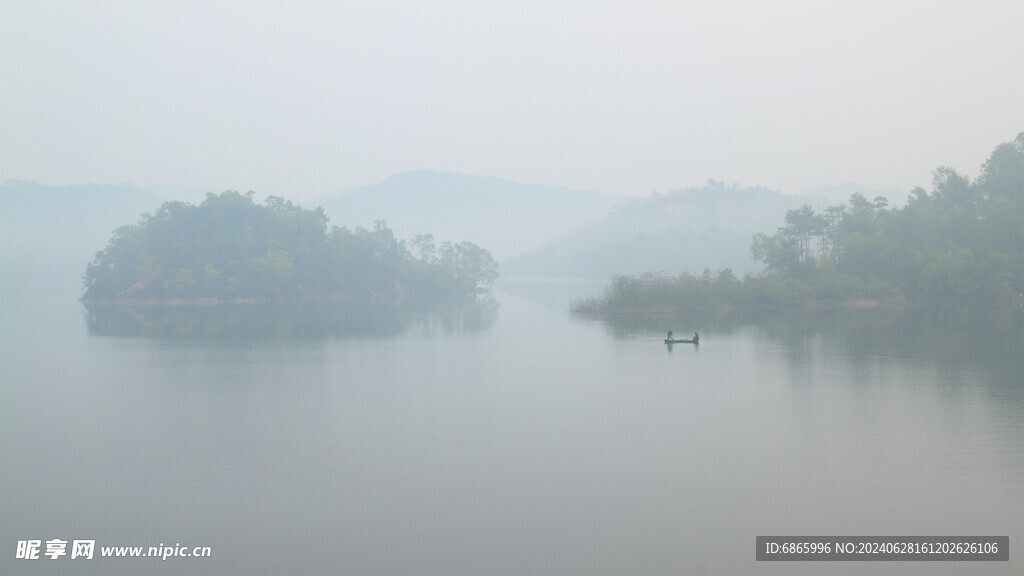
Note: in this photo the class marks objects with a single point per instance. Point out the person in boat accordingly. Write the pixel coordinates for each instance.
(696, 338)
(669, 335)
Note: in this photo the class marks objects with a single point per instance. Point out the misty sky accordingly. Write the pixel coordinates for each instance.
(302, 99)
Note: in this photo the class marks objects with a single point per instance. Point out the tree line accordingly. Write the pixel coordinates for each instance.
(230, 247)
(960, 243)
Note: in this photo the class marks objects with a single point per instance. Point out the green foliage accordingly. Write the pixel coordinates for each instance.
(962, 242)
(231, 247)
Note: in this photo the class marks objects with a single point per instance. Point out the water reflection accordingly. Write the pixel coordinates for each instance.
(292, 321)
(552, 293)
(948, 338)
(695, 346)
(953, 339)
(538, 442)
(934, 332)
(656, 325)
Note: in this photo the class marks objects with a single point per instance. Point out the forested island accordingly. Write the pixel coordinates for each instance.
(231, 249)
(960, 244)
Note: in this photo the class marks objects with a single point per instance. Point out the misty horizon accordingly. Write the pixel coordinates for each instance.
(835, 190)
(408, 287)
(619, 99)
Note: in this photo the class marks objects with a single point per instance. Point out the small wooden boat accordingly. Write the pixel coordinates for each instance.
(681, 341)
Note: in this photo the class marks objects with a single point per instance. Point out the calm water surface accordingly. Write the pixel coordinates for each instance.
(511, 440)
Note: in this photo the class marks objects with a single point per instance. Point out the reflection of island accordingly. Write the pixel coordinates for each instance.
(287, 321)
(990, 339)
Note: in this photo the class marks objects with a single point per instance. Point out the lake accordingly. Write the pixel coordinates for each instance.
(502, 438)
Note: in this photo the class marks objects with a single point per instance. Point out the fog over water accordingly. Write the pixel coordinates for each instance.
(511, 441)
(338, 386)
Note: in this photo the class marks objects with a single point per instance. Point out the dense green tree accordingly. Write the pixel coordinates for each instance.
(962, 242)
(231, 247)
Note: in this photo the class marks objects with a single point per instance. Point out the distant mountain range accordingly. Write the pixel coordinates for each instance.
(49, 233)
(505, 217)
(684, 231)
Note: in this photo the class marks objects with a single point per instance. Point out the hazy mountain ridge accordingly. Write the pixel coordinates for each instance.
(682, 231)
(49, 233)
(502, 216)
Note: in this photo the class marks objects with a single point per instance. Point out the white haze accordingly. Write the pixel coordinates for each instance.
(302, 99)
